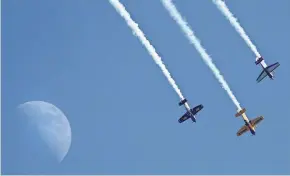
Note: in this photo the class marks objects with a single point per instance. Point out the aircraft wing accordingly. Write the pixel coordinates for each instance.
(184, 118)
(196, 109)
(257, 120)
(262, 76)
(272, 67)
(242, 130)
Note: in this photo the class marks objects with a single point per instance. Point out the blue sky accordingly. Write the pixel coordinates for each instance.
(81, 56)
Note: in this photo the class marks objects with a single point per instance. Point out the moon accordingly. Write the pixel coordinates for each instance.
(52, 125)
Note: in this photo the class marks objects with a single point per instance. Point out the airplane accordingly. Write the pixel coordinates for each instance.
(267, 70)
(250, 125)
(190, 112)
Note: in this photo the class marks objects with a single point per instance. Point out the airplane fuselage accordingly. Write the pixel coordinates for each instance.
(187, 108)
(248, 124)
(264, 66)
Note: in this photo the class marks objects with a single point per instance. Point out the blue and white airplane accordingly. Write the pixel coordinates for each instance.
(190, 112)
(267, 70)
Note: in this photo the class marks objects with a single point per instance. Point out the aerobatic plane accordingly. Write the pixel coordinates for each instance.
(250, 125)
(190, 112)
(267, 70)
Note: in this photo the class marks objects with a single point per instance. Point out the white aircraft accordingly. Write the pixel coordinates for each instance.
(249, 124)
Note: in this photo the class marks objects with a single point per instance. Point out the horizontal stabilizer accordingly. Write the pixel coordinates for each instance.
(259, 60)
(182, 102)
(241, 112)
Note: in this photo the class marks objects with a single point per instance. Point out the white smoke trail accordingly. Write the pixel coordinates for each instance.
(137, 31)
(195, 41)
(227, 13)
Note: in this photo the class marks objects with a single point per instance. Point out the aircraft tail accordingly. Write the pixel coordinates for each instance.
(240, 112)
(182, 102)
(259, 60)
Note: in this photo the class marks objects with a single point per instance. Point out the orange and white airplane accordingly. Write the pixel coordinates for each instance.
(250, 125)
